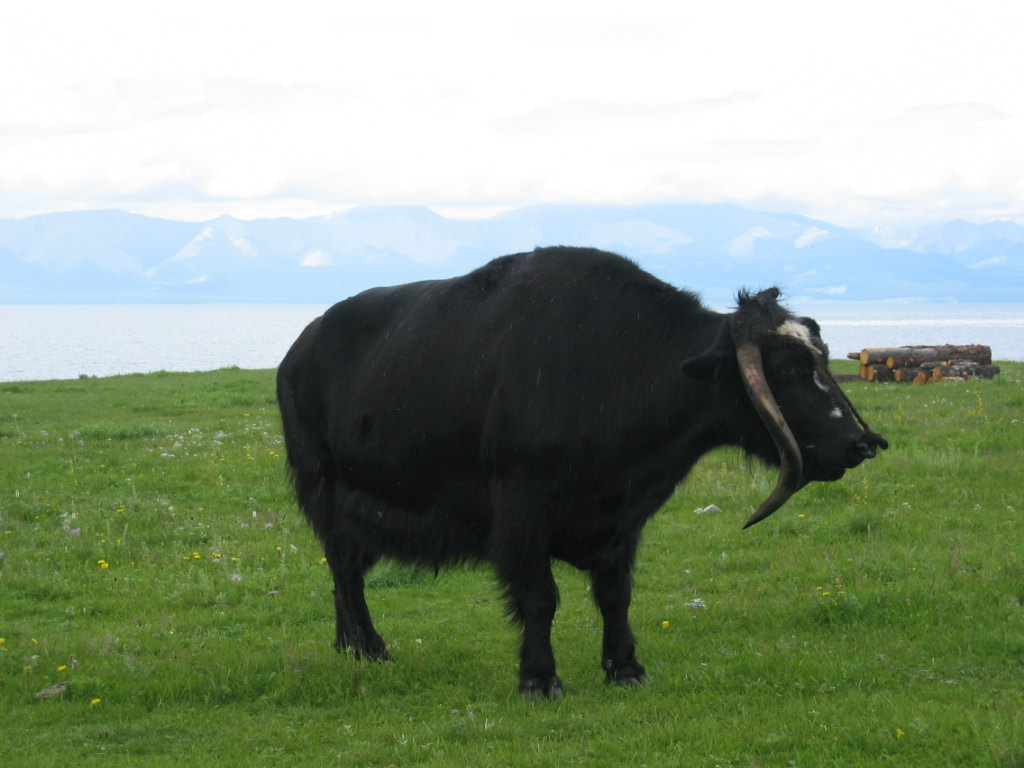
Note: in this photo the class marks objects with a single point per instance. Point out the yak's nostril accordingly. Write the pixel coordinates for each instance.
(864, 449)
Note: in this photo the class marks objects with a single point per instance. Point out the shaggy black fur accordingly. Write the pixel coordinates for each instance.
(543, 406)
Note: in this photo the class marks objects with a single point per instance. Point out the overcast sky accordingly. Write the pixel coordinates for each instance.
(861, 113)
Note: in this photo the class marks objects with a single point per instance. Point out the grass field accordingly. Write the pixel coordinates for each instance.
(162, 602)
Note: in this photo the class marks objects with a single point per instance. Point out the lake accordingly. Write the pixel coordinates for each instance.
(65, 342)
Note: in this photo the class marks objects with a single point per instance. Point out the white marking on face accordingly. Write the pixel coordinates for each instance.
(836, 413)
(823, 386)
(797, 330)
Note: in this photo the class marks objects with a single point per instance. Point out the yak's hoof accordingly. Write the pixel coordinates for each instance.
(376, 653)
(541, 688)
(630, 682)
(631, 675)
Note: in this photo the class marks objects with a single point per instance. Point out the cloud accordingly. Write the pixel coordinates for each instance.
(745, 243)
(958, 113)
(317, 258)
(570, 115)
(186, 111)
(832, 290)
(811, 236)
(995, 261)
(127, 101)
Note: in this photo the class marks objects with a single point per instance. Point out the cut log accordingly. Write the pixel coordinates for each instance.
(906, 375)
(900, 357)
(987, 371)
(875, 373)
(924, 364)
(963, 370)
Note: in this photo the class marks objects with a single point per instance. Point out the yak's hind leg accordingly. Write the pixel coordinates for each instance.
(328, 504)
(331, 509)
(354, 631)
(613, 589)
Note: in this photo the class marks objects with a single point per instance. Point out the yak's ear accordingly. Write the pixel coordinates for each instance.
(704, 367)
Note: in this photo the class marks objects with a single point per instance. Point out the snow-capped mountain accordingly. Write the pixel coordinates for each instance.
(113, 256)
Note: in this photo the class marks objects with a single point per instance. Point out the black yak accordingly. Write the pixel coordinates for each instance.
(542, 406)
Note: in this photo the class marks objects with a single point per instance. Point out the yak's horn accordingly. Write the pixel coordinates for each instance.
(791, 469)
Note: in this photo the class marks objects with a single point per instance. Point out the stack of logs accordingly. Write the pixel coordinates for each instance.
(922, 365)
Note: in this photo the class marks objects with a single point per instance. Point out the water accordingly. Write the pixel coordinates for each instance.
(65, 342)
(852, 326)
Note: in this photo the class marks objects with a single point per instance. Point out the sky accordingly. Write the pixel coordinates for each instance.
(867, 114)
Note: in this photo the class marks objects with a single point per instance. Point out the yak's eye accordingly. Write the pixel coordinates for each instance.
(788, 369)
(791, 364)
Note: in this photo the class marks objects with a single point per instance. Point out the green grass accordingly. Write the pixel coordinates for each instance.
(155, 566)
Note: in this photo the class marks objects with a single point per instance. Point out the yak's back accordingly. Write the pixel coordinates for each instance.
(554, 289)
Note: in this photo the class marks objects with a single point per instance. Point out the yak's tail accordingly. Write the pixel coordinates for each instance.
(306, 447)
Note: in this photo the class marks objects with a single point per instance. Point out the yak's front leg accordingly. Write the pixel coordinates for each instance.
(520, 550)
(533, 602)
(613, 589)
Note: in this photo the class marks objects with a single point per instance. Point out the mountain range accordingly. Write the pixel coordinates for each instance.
(111, 256)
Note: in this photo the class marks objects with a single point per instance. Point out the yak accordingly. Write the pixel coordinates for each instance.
(542, 406)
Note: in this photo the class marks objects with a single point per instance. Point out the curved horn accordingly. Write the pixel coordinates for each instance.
(791, 469)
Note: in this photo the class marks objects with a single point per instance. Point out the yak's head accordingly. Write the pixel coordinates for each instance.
(816, 433)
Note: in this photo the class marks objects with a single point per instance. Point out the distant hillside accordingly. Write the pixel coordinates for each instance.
(117, 257)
